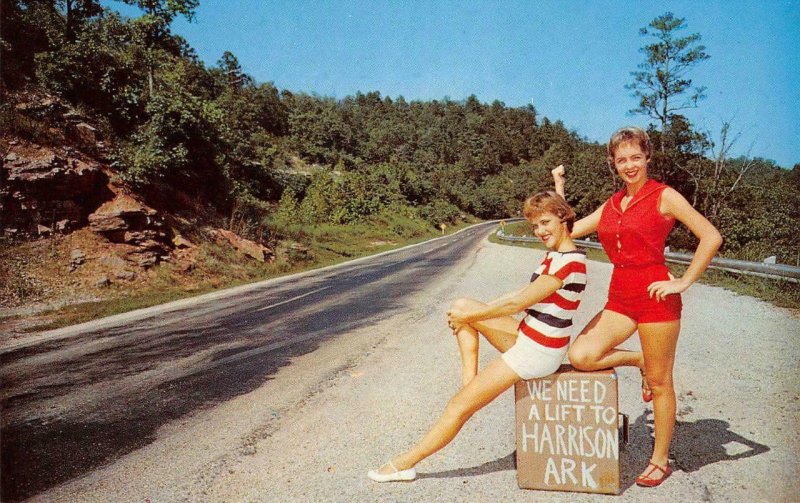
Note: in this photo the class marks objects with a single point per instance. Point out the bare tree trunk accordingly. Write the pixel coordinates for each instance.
(70, 29)
(233, 215)
(665, 110)
(718, 193)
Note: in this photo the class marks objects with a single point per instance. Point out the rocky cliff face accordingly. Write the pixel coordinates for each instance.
(70, 227)
(42, 191)
(46, 191)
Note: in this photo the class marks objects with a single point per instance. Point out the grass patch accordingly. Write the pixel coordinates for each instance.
(330, 244)
(778, 292)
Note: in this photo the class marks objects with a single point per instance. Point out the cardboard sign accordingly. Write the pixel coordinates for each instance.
(567, 432)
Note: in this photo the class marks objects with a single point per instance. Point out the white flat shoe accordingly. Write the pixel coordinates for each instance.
(396, 476)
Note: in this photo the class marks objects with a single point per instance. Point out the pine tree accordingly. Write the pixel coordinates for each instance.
(661, 83)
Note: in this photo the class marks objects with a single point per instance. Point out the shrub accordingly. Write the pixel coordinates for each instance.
(439, 212)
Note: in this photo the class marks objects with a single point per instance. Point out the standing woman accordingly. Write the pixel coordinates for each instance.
(633, 226)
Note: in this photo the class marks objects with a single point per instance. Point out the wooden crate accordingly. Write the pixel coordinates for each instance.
(567, 432)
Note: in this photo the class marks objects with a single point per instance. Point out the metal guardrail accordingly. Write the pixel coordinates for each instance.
(774, 271)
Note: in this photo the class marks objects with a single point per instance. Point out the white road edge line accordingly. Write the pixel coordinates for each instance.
(292, 299)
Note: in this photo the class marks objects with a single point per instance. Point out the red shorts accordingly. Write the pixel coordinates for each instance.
(627, 294)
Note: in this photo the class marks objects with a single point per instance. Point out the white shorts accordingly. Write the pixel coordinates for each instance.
(529, 359)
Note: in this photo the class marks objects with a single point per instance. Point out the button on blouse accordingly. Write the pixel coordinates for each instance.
(636, 236)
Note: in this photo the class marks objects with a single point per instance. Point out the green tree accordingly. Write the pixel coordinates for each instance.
(439, 212)
(27, 27)
(677, 157)
(159, 14)
(232, 70)
(321, 198)
(661, 84)
(103, 69)
(179, 143)
(319, 129)
(288, 208)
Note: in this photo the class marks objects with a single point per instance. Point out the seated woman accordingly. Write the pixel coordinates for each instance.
(532, 348)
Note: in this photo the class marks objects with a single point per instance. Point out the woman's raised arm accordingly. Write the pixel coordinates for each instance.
(585, 225)
(559, 180)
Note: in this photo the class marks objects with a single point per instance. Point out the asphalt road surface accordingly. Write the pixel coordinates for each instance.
(292, 389)
(71, 404)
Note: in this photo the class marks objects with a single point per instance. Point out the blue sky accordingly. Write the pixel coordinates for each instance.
(570, 59)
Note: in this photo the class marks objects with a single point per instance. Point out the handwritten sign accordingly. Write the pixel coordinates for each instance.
(567, 432)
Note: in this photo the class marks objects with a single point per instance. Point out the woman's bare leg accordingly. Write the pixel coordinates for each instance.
(594, 349)
(659, 343)
(485, 387)
(500, 332)
(468, 345)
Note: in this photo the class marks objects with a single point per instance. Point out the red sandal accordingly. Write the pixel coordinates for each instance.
(646, 479)
(647, 393)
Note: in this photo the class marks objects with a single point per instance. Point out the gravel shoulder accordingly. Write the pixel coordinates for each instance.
(314, 429)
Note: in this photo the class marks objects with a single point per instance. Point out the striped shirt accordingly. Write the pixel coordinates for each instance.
(548, 321)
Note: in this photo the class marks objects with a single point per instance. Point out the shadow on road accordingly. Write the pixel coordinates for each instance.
(695, 444)
(498, 465)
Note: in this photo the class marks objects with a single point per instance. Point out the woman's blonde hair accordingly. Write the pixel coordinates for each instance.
(549, 202)
(627, 134)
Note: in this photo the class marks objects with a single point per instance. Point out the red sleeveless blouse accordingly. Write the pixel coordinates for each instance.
(635, 237)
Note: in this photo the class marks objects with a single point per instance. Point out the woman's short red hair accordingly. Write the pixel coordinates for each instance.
(549, 202)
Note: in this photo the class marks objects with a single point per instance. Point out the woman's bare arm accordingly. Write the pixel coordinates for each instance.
(539, 289)
(587, 224)
(559, 180)
(676, 206)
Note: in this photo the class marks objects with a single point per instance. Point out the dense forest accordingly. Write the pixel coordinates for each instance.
(271, 158)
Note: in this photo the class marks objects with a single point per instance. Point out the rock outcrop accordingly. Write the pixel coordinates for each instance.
(126, 220)
(68, 187)
(42, 192)
(244, 246)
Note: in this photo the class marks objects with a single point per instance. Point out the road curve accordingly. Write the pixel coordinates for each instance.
(79, 398)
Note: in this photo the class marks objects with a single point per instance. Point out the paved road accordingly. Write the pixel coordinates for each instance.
(305, 421)
(73, 403)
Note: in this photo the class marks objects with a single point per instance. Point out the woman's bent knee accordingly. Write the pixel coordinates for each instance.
(463, 303)
(580, 358)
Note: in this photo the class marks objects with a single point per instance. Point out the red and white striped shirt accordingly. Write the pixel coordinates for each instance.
(548, 321)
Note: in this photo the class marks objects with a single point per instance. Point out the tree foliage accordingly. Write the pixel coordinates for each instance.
(251, 151)
(158, 15)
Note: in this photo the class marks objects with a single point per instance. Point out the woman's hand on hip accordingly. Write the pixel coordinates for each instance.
(660, 289)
